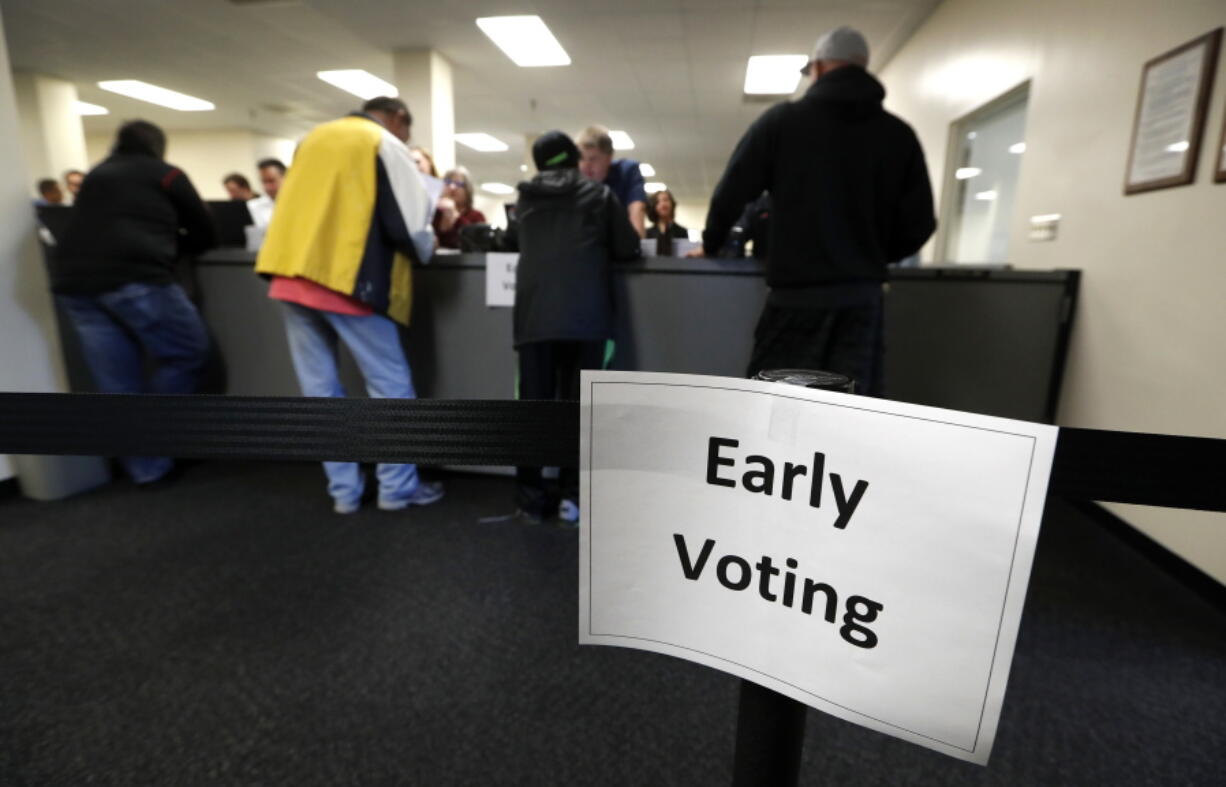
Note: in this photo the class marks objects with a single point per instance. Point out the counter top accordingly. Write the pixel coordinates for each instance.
(702, 265)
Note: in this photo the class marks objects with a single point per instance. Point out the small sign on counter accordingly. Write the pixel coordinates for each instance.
(681, 247)
(500, 278)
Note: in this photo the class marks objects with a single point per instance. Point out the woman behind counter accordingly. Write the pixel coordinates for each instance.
(455, 208)
(662, 209)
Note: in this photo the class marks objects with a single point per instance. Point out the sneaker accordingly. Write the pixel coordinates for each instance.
(346, 506)
(568, 513)
(426, 493)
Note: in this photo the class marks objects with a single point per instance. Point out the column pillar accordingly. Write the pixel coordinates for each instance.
(51, 130)
(423, 77)
(30, 352)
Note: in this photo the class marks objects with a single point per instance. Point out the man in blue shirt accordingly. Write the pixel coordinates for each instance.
(622, 176)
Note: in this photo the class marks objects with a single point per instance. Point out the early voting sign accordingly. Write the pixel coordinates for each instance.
(867, 558)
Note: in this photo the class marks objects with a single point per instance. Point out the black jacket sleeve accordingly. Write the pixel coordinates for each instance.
(748, 174)
(915, 221)
(623, 238)
(194, 218)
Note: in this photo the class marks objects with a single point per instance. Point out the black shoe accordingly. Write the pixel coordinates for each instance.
(528, 517)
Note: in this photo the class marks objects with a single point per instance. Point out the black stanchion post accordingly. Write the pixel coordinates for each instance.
(770, 728)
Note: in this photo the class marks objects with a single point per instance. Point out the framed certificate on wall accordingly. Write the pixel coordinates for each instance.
(1219, 172)
(1170, 117)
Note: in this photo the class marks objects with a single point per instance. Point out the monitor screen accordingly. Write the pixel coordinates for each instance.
(229, 218)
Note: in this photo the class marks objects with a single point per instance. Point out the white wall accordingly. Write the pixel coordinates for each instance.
(1147, 343)
(27, 322)
(493, 207)
(693, 216)
(208, 156)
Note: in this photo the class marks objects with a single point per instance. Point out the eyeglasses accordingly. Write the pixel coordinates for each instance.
(455, 182)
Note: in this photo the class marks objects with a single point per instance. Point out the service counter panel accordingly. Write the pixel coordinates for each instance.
(983, 340)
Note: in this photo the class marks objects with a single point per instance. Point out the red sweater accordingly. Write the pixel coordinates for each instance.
(451, 238)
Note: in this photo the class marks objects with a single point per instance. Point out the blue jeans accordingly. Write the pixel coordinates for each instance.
(374, 342)
(119, 328)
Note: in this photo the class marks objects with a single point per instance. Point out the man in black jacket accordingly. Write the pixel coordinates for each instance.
(850, 193)
(570, 229)
(112, 275)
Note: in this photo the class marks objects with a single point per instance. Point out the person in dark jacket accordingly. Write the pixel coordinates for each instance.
(112, 275)
(569, 231)
(850, 193)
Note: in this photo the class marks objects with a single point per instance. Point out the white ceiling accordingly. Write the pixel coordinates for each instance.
(667, 71)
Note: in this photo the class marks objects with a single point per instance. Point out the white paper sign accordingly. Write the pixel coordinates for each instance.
(500, 278)
(681, 247)
(867, 558)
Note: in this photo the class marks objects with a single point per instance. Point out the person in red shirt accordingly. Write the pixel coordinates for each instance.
(349, 282)
(455, 208)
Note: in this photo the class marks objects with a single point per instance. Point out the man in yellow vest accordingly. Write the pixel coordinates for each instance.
(352, 215)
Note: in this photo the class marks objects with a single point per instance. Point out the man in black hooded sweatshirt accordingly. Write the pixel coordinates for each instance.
(570, 230)
(850, 193)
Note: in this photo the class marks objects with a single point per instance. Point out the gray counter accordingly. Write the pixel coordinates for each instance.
(673, 315)
(983, 340)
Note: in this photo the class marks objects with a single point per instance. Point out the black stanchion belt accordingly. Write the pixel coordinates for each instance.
(424, 431)
(1090, 464)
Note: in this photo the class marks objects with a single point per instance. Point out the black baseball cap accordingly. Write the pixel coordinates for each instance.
(554, 150)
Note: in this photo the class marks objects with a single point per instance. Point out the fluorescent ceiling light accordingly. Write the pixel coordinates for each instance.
(362, 84)
(963, 173)
(1045, 218)
(497, 188)
(482, 142)
(621, 140)
(986, 196)
(143, 91)
(1017, 147)
(85, 108)
(524, 39)
(1178, 147)
(647, 170)
(654, 186)
(773, 75)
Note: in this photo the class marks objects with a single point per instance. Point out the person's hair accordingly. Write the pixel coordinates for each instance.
(47, 184)
(596, 137)
(140, 137)
(429, 159)
(389, 105)
(271, 162)
(73, 172)
(234, 177)
(651, 205)
(468, 181)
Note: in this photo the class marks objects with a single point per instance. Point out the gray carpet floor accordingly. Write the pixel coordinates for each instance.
(229, 629)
